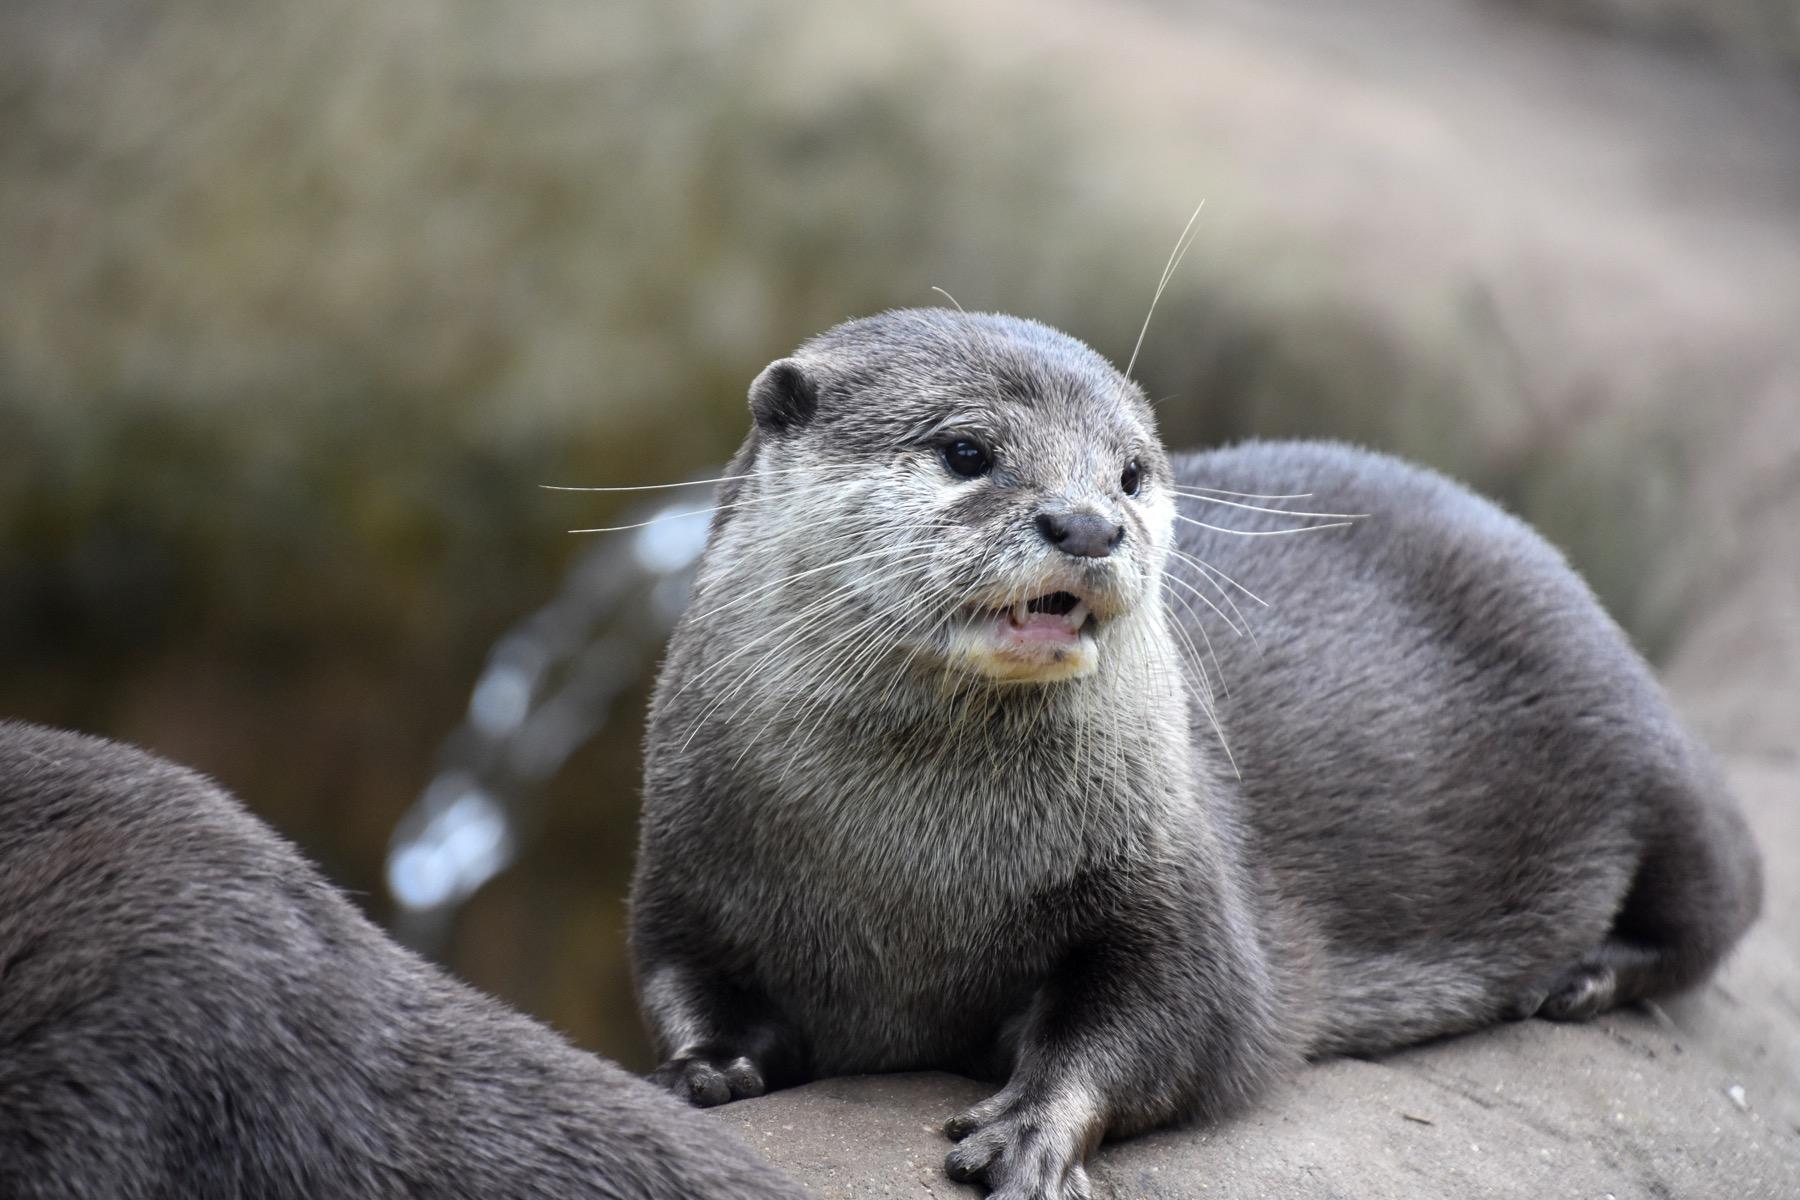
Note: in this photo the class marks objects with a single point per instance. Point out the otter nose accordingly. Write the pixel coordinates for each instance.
(1081, 534)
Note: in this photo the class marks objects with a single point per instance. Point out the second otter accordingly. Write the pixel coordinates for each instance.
(935, 779)
(187, 1009)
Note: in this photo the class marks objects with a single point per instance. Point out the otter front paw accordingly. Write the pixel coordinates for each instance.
(704, 1080)
(1022, 1150)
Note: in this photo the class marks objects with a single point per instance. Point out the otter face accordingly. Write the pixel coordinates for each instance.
(1057, 524)
(998, 502)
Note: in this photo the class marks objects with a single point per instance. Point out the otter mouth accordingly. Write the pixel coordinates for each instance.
(1037, 638)
(1055, 617)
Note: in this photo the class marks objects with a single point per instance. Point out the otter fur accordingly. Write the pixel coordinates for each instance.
(187, 1010)
(974, 751)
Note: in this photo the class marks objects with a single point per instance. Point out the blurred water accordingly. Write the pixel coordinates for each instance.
(549, 685)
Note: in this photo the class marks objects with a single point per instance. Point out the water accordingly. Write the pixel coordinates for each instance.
(550, 683)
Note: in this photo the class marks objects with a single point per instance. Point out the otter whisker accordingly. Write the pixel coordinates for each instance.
(1263, 532)
(839, 663)
(1175, 256)
(811, 682)
(743, 598)
(656, 520)
(1226, 596)
(1209, 692)
(840, 650)
(1197, 561)
(954, 602)
(807, 613)
(654, 487)
(1194, 487)
(822, 604)
(954, 747)
(896, 557)
(754, 673)
(1186, 682)
(1206, 600)
(1199, 688)
(1285, 512)
(843, 666)
(711, 508)
(1199, 665)
(815, 608)
(770, 650)
(1084, 800)
(987, 346)
(1212, 718)
(694, 512)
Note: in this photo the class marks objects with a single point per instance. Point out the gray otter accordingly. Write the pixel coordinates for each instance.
(188, 1010)
(931, 782)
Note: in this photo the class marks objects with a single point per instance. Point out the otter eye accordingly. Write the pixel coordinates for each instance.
(966, 458)
(1128, 478)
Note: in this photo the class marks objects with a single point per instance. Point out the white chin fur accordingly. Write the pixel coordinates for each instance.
(974, 649)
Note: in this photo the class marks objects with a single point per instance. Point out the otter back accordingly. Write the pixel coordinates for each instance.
(188, 1010)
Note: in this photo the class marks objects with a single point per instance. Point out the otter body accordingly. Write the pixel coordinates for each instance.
(975, 752)
(188, 1010)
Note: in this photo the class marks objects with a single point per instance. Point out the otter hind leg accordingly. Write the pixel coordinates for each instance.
(1690, 899)
(1615, 973)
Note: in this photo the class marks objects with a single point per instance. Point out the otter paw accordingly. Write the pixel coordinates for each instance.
(705, 1080)
(1581, 993)
(1526, 1006)
(1019, 1151)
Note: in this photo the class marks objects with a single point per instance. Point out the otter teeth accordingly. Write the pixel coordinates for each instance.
(1023, 612)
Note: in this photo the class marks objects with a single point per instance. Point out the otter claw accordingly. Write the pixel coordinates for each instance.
(1016, 1155)
(964, 1123)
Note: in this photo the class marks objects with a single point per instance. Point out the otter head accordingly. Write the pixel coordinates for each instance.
(978, 493)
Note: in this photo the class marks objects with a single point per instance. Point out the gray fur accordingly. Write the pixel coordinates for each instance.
(187, 1010)
(1439, 790)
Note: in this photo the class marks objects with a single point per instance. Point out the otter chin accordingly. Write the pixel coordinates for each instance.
(1144, 897)
(1045, 638)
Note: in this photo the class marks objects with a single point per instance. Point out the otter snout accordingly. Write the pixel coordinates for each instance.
(1084, 535)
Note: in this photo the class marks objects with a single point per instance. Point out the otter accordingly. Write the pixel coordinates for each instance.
(997, 740)
(187, 1009)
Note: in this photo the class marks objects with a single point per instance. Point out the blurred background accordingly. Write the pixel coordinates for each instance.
(301, 302)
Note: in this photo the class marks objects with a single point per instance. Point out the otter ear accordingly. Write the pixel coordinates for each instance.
(783, 397)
